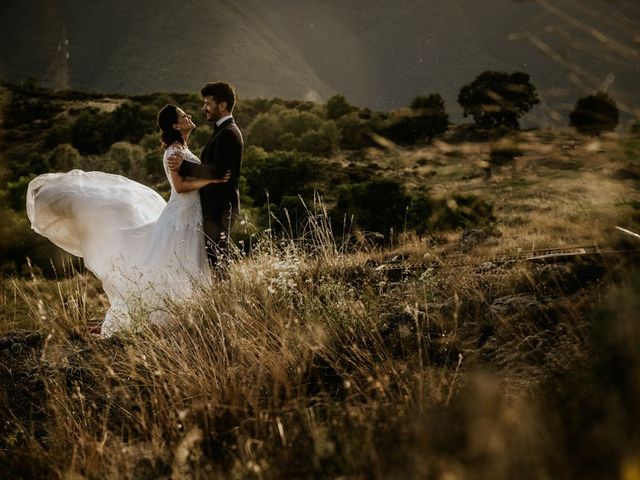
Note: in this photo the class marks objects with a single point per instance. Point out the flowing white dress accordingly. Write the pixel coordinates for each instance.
(146, 252)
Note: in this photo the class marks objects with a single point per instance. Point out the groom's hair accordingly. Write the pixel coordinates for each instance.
(221, 92)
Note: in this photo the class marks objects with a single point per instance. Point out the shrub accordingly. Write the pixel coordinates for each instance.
(281, 174)
(17, 242)
(64, 158)
(595, 114)
(287, 129)
(132, 121)
(378, 205)
(264, 132)
(92, 132)
(126, 159)
(337, 106)
(384, 205)
(26, 158)
(425, 120)
(58, 134)
(26, 110)
(462, 211)
(322, 141)
(17, 192)
(354, 132)
(290, 214)
(503, 155)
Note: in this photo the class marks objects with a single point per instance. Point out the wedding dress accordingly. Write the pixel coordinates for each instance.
(146, 252)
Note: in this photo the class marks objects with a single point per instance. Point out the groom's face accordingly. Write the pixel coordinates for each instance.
(212, 109)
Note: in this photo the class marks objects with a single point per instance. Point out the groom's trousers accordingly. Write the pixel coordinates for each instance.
(217, 236)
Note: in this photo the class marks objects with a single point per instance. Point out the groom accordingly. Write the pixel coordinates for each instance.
(223, 152)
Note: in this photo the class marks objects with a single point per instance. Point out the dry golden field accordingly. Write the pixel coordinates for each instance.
(511, 353)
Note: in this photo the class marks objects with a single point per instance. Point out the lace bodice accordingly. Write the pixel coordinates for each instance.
(184, 210)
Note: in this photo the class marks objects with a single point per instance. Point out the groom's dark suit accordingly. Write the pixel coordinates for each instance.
(220, 201)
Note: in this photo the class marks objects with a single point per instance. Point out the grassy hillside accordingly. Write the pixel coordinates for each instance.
(497, 350)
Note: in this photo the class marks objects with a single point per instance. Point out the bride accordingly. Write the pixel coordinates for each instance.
(145, 251)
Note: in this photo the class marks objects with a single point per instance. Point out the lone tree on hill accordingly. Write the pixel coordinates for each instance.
(433, 103)
(496, 99)
(430, 117)
(427, 119)
(595, 114)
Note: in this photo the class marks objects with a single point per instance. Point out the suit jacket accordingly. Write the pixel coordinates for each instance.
(223, 152)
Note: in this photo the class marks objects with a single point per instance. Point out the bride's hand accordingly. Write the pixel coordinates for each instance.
(226, 178)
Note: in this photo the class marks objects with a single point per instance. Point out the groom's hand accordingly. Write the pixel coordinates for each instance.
(174, 162)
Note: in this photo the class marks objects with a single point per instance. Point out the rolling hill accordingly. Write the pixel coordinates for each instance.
(377, 54)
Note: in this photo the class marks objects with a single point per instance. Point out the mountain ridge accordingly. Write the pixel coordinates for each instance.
(377, 55)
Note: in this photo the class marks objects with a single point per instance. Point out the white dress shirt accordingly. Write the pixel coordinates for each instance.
(223, 119)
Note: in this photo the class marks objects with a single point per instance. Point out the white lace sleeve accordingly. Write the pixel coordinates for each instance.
(168, 153)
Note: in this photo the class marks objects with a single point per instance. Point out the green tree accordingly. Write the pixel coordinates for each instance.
(127, 159)
(17, 192)
(337, 106)
(354, 132)
(322, 141)
(497, 99)
(432, 103)
(431, 118)
(26, 159)
(131, 121)
(290, 129)
(265, 131)
(280, 174)
(426, 119)
(298, 123)
(595, 114)
(59, 133)
(92, 132)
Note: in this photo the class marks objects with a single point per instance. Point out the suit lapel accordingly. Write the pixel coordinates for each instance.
(224, 124)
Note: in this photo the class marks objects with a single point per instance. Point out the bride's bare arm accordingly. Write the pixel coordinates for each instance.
(183, 185)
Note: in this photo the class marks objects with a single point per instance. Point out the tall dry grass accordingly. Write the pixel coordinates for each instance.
(445, 357)
(308, 361)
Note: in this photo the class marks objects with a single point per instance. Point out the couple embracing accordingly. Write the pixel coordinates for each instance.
(149, 253)
(219, 195)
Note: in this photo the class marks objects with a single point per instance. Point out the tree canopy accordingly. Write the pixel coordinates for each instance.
(496, 99)
(595, 114)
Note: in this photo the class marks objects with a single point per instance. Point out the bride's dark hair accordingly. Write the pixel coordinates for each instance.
(166, 118)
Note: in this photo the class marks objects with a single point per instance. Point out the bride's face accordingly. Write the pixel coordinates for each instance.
(184, 123)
